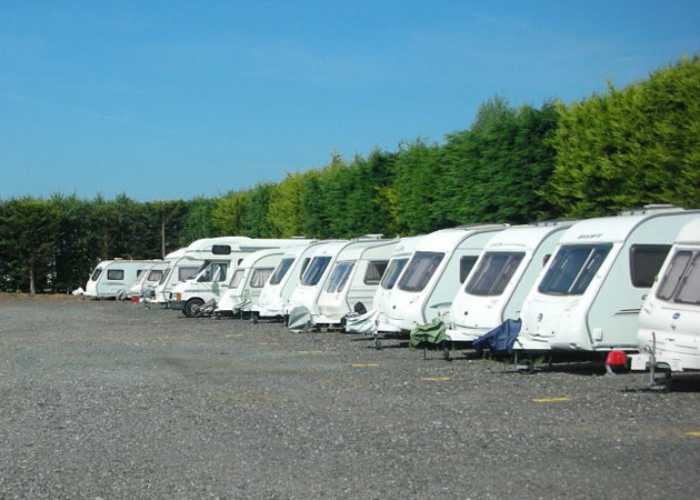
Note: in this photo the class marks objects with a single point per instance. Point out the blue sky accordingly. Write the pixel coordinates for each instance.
(175, 99)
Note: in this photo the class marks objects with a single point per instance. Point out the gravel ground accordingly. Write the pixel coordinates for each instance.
(110, 400)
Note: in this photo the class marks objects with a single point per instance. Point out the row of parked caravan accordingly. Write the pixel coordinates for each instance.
(624, 283)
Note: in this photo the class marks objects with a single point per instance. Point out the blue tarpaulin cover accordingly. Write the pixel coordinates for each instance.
(500, 340)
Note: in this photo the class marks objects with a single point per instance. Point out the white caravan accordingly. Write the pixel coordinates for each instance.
(353, 281)
(321, 259)
(273, 301)
(148, 280)
(589, 295)
(248, 280)
(669, 322)
(113, 278)
(441, 262)
(502, 277)
(400, 256)
(221, 256)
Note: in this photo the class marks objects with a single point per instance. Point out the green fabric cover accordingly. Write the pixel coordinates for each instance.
(431, 333)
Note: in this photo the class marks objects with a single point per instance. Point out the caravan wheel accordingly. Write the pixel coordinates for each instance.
(192, 307)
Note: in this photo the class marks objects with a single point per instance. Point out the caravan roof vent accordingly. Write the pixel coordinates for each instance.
(653, 207)
(378, 236)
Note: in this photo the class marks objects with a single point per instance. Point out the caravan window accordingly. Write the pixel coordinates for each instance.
(281, 271)
(154, 275)
(689, 291)
(573, 269)
(115, 274)
(186, 273)
(466, 263)
(339, 276)
(315, 271)
(420, 270)
(237, 278)
(494, 273)
(673, 274)
(375, 271)
(96, 274)
(260, 277)
(393, 273)
(138, 273)
(645, 263)
(304, 265)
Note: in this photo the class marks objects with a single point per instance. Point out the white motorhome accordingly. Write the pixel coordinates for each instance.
(589, 295)
(113, 278)
(221, 257)
(148, 279)
(248, 281)
(273, 301)
(184, 264)
(353, 281)
(669, 322)
(440, 263)
(502, 277)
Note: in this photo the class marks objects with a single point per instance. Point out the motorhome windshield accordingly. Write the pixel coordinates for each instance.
(281, 271)
(260, 276)
(215, 271)
(419, 271)
(339, 276)
(154, 275)
(393, 272)
(681, 281)
(494, 273)
(96, 274)
(237, 278)
(573, 269)
(315, 270)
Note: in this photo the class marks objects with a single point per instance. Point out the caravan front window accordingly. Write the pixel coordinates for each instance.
(339, 276)
(215, 271)
(466, 264)
(281, 271)
(393, 273)
(673, 274)
(689, 291)
(260, 277)
(96, 274)
(420, 270)
(375, 271)
(573, 269)
(494, 273)
(315, 270)
(154, 275)
(237, 278)
(304, 265)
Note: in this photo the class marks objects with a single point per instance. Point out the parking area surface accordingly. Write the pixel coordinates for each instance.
(110, 400)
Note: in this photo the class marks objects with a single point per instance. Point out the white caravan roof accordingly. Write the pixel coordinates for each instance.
(252, 258)
(180, 252)
(356, 249)
(525, 237)
(690, 233)
(612, 229)
(449, 239)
